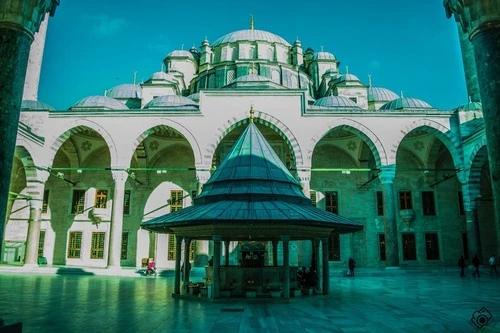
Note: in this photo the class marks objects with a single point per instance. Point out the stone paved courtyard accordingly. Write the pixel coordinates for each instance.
(405, 301)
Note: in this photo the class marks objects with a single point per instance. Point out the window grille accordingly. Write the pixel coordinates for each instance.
(74, 244)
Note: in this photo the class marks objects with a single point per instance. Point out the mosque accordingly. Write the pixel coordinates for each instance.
(85, 178)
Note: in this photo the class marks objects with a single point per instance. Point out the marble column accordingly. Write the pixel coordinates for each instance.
(325, 266)
(177, 278)
(185, 273)
(31, 256)
(19, 20)
(217, 254)
(480, 20)
(286, 266)
(202, 175)
(115, 235)
(472, 225)
(386, 176)
(35, 189)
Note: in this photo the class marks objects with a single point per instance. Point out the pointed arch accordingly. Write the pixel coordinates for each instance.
(76, 127)
(260, 117)
(358, 129)
(439, 130)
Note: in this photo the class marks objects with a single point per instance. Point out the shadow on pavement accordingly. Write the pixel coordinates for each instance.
(77, 271)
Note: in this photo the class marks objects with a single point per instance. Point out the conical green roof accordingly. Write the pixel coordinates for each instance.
(252, 192)
(252, 172)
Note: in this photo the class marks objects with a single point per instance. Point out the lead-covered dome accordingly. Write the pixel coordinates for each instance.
(125, 91)
(323, 56)
(335, 102)
(97, 103)
(171, 101)
(377, 94)
(250, 35)
(405, 103)
(161, 76)
(471, 106)
(32, 105)
(180, 54)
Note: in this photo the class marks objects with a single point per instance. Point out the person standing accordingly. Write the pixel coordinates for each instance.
(352, 264)
(493, 265)
(475, 262)
(461, 264)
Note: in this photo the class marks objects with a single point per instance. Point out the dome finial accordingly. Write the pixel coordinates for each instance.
(251, 113)
(402, 94)
(470, 99)
(369, 80)
(251, 22)
(182, 46)
(321, 48)
(346, 70)
(135, 76)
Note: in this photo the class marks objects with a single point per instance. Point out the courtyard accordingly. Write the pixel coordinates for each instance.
(427, 300)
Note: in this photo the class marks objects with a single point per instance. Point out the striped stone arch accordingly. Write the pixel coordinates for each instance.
(355, 127)
(35, 177)
(434, 128)
(76, 127)
(155, 125)
(478, 158)
(261, 118)
(26, 157)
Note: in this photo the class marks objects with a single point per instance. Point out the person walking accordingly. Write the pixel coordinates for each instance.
(493, 265)
(461, 264)
(475, 262)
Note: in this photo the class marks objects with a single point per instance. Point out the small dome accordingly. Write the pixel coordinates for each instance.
(250, 35)
(405, 103)
(194, 97)
(346, 77)
(471, 106)
(31, 105)
(376, 94)
(336, 102)
(323, 56)
(180, 54)
(170, 101)
(99, 102)
(125, 91)
(161, 76)
(252, 78)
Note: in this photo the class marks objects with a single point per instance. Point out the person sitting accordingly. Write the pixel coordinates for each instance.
(151, 268)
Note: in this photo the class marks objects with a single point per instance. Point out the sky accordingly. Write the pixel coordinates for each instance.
(405, 45)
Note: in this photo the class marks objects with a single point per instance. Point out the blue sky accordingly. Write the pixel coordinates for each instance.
(408, 46)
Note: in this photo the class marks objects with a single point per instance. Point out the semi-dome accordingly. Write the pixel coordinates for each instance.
(405, 103)
(471, 106)
(336, 102)
(180, 53)
(377, 94)
(32, 105)
(323, 56)
(250, 35)
(170, 101)
(99, 102)
(127, 90)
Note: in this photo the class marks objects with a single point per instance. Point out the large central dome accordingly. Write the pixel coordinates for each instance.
(250, 35)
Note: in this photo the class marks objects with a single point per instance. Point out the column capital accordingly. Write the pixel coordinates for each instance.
(387, 173)
(474, 16)
(119, 176)
(304, 174)
(24, 15)
(216, 238)
(285, 238)
(35, 203)
(203, 174)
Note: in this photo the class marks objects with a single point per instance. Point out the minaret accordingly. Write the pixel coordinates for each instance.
(30, 91)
